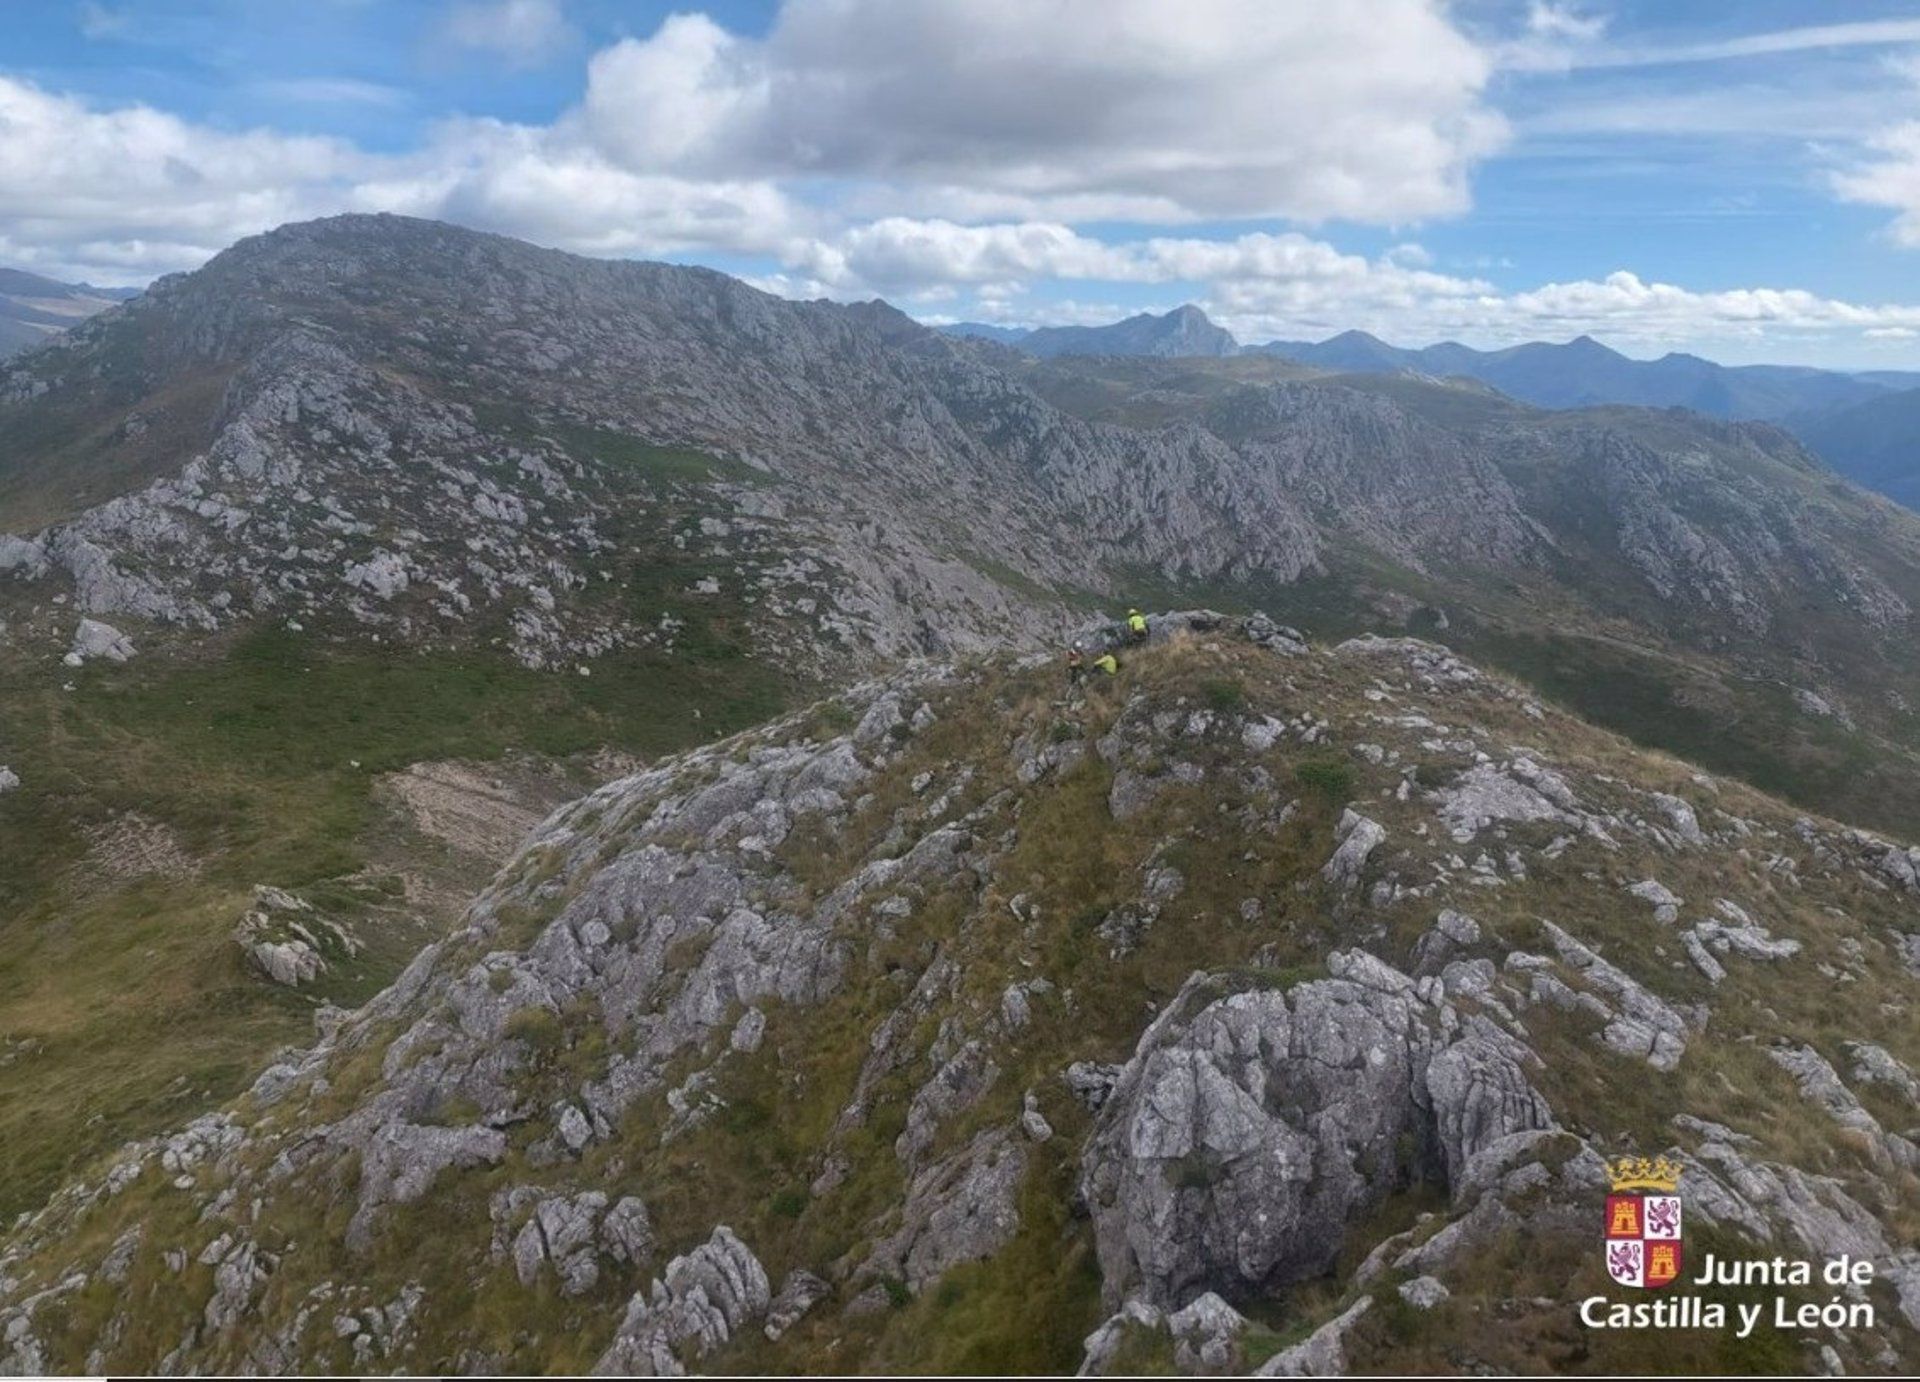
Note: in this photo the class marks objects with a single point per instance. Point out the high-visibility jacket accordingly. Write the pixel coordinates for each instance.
(1137, 622)
(1107, 663)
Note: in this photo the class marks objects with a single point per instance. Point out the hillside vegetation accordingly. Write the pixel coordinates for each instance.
(959, 1022)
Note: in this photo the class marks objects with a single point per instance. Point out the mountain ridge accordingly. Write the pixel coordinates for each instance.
(1770, 393)
(365, 454)
(1825, 408)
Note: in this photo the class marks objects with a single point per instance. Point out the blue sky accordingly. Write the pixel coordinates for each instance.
(1737, 179)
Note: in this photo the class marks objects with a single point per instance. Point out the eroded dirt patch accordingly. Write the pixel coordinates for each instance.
(484, 810)
(132, 846)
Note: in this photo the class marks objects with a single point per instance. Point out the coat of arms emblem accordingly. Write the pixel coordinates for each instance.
(1642, 1240)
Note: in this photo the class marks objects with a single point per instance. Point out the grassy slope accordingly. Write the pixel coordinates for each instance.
(259, 757)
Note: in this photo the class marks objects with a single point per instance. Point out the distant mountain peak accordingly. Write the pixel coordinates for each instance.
(1186, 330)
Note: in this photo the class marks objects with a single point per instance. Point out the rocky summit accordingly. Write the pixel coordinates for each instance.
(1272, 1006)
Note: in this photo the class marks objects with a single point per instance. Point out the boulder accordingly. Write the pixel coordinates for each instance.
(1358, 837)
(96, 640)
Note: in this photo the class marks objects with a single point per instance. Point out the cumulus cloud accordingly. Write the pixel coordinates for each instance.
(548, 185)
(1264, 285)
(989, 110)
(144, 189)
(1367, 110)
(899, 252)
(131, 192)
(1890, 179)
(1621, 306)
(949, 155)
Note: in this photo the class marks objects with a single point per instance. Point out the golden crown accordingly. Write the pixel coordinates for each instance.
(1641, 1173)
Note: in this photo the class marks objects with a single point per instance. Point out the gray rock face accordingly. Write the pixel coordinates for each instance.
(9, 779)
(964, 1209)
(1735, 933)
(340, 475)
(402, 1160)
(799, 1292)
(1246, 1124)
(238, 1275)
(1487, 793)
(1821, 1085)
(1875, 1065)
(678, 938)
(957, 1085)
(570, 1234)
(700, 1302)
(1103, 1346)
(1638, 1023)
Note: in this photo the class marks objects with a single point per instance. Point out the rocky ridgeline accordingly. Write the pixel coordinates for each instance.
(432, 435)
(1264, 982)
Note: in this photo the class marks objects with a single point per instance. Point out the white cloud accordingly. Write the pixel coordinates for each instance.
(549, 186)
(127, 193)
(1253, 273)
(146, 191)
(1264, 286)
(1006, 111)
(1367, 110)
(1552, 40)
(526, 33)
(1623, 307)
(1563, 21)
(331, 91)
(1891, 180)
(1861, 33)
(898, 252)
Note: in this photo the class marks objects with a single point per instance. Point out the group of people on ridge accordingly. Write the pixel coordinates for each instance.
(1106, 664)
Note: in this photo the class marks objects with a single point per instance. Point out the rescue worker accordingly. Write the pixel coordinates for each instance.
(1108, 664)
(1136, 626)
(1076, 666)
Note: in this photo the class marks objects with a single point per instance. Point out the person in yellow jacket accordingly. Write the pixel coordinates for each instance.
(1107, 664)
(1136, 626)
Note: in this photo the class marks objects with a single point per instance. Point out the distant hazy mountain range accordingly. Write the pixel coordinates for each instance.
(32, 308)
(1862, 424)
